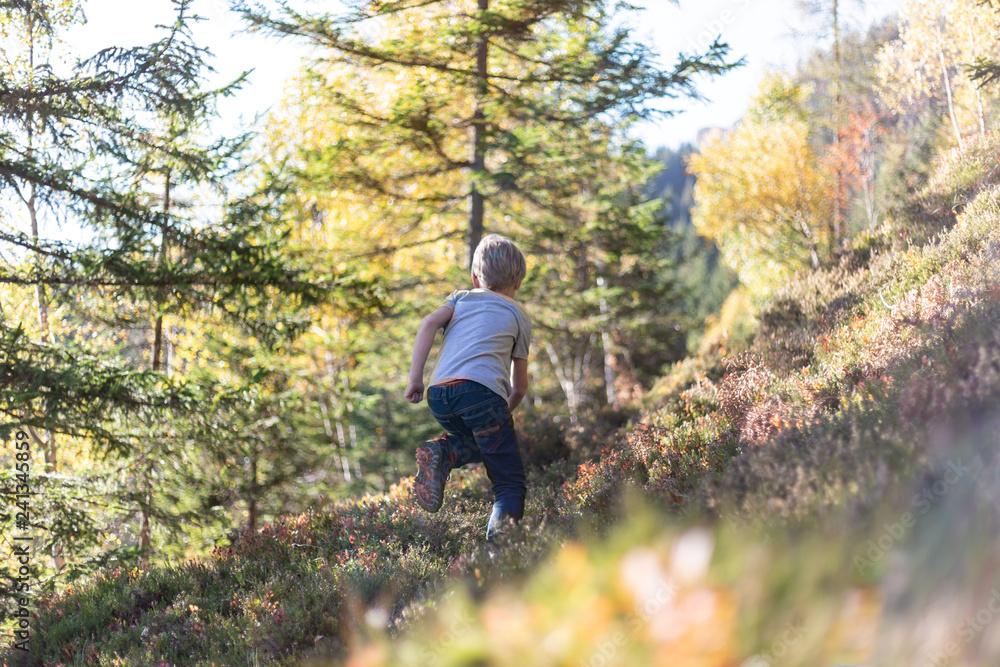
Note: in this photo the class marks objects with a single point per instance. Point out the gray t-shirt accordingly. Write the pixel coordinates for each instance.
(486, 331)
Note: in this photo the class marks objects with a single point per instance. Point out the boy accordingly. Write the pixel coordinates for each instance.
(486, 338)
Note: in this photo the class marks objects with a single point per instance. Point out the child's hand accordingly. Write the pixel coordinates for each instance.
(414, 391)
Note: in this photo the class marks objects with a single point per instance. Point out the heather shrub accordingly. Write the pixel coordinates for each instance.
(666, 455)
(294, 587)
(128, 617)
(701, 398)
(783, 337)
(857, 589)
(891, 376)
(795, 324)
(943, 580)
(588, 439)
(960, 173)
(597, 486)
(808, 468)
(677, 460)
(744, 386)
(683, 375)
(541, 435)
(828, 398)
(956, 178)
(864, 248)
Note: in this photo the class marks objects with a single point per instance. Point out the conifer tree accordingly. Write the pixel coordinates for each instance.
(474, 89)
(165, 224)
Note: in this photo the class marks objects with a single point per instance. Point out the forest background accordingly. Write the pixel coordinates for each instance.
(225, 345)
(206, 332)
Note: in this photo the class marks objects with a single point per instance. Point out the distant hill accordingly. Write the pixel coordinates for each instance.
(698, 266)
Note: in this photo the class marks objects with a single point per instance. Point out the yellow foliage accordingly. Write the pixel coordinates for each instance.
(938, 39)
(735, 316)
(762, 197)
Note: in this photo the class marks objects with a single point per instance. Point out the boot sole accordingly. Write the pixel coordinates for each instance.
(428, 487)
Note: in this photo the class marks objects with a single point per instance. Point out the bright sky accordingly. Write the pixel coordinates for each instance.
(761, 30)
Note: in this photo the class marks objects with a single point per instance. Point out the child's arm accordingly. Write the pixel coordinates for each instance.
(422, 347)
(518, 382)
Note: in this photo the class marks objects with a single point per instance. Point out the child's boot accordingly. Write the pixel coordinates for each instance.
(499, 522)
(428, 486)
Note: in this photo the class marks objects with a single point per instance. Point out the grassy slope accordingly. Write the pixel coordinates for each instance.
(818, 497)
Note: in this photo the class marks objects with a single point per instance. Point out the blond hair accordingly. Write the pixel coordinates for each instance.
(498, 263)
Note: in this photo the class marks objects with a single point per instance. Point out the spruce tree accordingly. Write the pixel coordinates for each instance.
(165, 224)
(483, 86)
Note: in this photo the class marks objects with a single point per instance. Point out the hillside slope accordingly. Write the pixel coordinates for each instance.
(824, 496)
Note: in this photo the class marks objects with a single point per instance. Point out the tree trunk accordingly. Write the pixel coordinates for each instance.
(169, 365)
(813, 255)
(536, 379)
(161, 261)
(581, 364)
(145, 528)
(838, 212)
(981, 110)
(571, 372)
(42, 302)
(352, 429)
(476, 201)
(609, 355)
(979, 96)
(838, 62)
(342, 439)
(328, 428)
(331, 374)
(49, 450)
(947, 90)
(566, 382)
(48, 440)
(252, 497)
(868, 185)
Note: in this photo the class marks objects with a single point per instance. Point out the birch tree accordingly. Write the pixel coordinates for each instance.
(939, 43)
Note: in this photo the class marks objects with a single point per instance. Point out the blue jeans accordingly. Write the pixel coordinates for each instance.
(478, 428)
